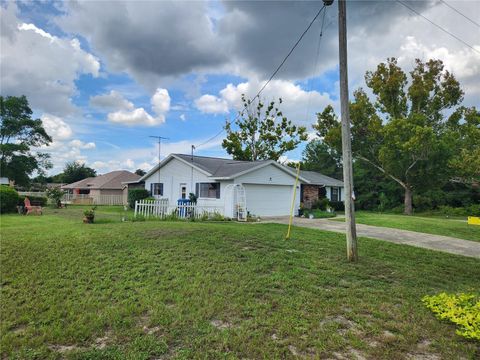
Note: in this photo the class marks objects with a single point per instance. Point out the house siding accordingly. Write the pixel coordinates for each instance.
(174, 173)
(271, 175)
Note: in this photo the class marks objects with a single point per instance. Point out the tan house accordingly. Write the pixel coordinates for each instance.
(107, 189)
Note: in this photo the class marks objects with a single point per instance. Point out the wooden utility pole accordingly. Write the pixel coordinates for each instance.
(351, 231)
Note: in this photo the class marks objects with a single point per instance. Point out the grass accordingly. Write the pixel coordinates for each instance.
(430, 225)
(185, 290)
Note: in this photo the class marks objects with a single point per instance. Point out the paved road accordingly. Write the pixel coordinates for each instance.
(428, 241)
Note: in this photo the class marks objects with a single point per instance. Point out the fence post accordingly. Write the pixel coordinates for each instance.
(136, 207)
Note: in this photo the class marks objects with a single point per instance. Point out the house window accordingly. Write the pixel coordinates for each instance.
(156, 189)
(208, 190)
(335, 194)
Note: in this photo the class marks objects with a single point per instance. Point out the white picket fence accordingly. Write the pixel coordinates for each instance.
(162, 209)
(93, 199)
(85, 199)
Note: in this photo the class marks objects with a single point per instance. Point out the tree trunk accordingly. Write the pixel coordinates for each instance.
(408, 201)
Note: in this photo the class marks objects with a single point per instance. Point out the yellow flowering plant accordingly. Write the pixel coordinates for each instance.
(461, 309)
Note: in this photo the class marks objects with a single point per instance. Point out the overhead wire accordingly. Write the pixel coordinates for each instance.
(315, 66)
(271, 76)
(460, 13)
(438, 26)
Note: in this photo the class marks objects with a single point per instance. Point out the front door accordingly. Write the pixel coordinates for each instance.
(183, 191)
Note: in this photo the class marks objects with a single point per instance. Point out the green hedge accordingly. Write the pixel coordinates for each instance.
(8, 199)
(137, 194)
(319, 214)
(34, 200)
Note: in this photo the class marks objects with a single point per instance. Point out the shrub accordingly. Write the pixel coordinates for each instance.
(55, 195)
(137, 194)
(8, 199)
(383, 202)
(321, 204)
(319, 214)
(473, 210)
(451, 211)
(337, 205)
(422, 203)
(461, 309)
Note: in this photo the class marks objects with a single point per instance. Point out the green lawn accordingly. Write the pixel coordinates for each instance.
(430, 225)
(146, 290)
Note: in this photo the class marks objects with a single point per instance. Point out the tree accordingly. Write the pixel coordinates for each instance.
(55, 194)
(465, 130)
(19, 135)
(75, 171)
(140, 172)
(262, 133)
(405, 133)
(319, 157)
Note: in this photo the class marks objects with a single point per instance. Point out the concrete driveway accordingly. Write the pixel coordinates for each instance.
(428, 241)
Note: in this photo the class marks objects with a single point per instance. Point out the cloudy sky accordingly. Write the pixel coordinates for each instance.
(104, 76)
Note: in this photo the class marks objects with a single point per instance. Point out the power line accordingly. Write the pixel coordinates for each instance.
(315, 66)
(290, 52)
(438, 26)
(272, 76)
(459, 12)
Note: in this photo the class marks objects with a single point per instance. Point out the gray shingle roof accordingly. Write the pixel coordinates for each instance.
(111, 180)
(316, 178)
(219, 167)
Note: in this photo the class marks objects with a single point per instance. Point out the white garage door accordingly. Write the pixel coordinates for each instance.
(268, 200)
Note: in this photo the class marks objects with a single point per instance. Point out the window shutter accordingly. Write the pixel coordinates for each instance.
(218, 191)
(197, 186)
(151, 189)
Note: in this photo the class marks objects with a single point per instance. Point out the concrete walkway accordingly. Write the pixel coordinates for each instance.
(428, 241)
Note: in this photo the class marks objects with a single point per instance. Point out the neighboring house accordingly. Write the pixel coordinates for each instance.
(4, 181)
(108, 184)
(268, 185)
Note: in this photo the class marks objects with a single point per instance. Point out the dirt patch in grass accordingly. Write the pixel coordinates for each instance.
(222, 325)
(342, 322)
(19, 329)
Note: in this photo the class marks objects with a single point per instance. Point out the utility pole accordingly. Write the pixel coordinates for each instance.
(159, 138)
(351, 231)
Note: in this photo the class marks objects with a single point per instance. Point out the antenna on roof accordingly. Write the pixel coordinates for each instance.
(159, 138)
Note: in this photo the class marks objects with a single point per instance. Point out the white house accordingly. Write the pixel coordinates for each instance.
(268, 186)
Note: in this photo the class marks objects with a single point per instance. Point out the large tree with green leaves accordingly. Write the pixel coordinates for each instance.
(465, 131)
(20, 138)
(75, 171)
(262, 133)
(319, 157)
(406, 133)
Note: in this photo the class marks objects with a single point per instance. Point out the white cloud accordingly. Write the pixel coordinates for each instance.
(298, 104)
(129, 115)
(134, 117)
(463, 63)
(211, 104)
(182, 117)
(40, 65)
(111, 101)
(161, 101)
(56, 127)
(82, 145)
